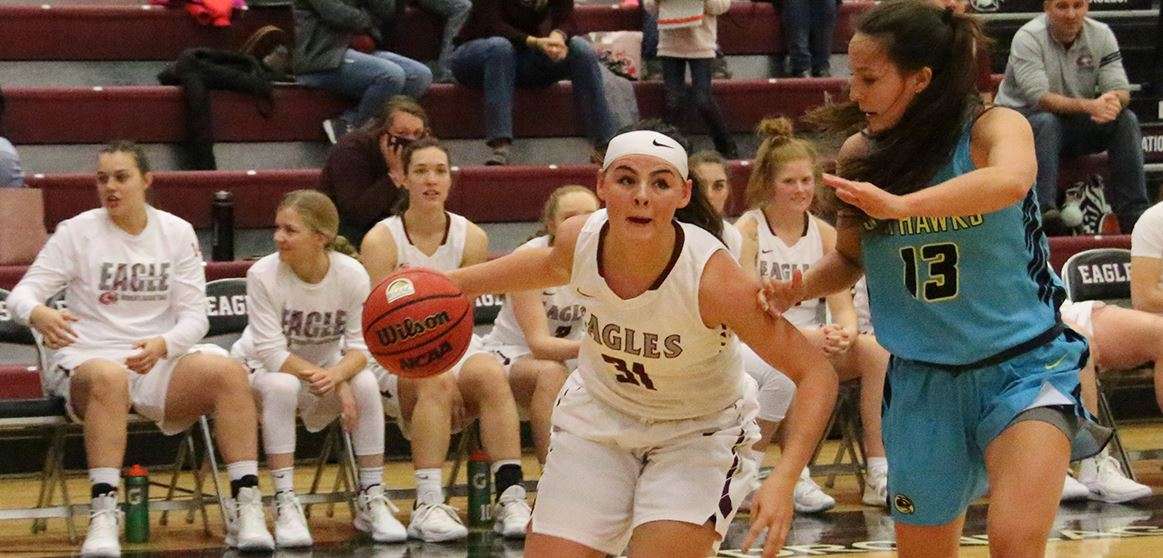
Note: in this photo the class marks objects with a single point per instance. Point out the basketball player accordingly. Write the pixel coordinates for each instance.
(983, 381)
(647, 433)
(709, 170)
(136, 300)
(780, 235)
(424, 234)
(537, 333)
(305, 349)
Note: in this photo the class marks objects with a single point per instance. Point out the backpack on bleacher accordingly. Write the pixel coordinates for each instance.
(1092, 201)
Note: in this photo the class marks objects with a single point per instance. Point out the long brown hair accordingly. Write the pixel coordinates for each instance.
(397, 104)
(318, 212)
(778, 146)
(915, 35)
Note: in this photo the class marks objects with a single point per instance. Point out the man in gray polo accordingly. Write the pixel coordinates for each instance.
(1065, 73)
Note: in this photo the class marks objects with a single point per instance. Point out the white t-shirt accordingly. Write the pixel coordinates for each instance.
(563, 312)
(446, 258)
(1147, 238)
(316, 322)
(651, 356)
(734, 240)
(122, 288)
(777, 260)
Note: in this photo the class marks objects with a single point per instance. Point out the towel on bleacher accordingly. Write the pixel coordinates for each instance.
(679, 14)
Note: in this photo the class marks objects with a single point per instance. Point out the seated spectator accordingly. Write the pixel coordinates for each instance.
(11, 175)
(324, 29)
(454, 12)
(527, 44)
(1065, 73)
(363, 171)
(807, 27)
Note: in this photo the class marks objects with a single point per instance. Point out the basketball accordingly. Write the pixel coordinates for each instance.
(417, 323)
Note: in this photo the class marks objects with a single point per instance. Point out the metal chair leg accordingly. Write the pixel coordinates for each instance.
(1106, 418)
(209, 443)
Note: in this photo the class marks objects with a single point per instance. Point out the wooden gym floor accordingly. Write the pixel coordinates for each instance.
(1087, 529)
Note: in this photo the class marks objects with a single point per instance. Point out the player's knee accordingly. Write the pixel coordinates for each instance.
(106, 381)
(440, 389)
(482, 375)
(274, 387)
(229, 374)
(551, 376)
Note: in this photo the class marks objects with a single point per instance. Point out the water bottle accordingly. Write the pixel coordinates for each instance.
(137, 505)
(480, 507)
(222, 217)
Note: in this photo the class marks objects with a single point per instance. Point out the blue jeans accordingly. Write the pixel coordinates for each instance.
(498, 67)
(1057, 136)
(807, 28)
(674, 80)
(649, 34)
(455, 13)
(373, 79)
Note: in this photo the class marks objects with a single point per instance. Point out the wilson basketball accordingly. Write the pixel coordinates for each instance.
(417, 323)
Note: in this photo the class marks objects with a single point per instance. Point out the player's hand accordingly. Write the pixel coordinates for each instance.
(150, 351)
(324, 380)
(873, 201)
(772, 511)
(393, 158)
(348, 411)
(53, 326)
(833, 340)
(776, 297)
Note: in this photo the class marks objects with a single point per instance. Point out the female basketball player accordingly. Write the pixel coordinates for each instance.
(136, 300)
(424, 234)
(709, 170)
(648, 431)
(306, 352)
(781, 235)
(942, 221)
(538, 333)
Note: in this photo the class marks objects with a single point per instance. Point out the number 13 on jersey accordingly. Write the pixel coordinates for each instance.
(942, 271)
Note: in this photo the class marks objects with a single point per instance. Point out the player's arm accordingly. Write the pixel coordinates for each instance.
(476, 246)
(1145, 292)
(726, 296)
(530, 314)
(378, 253)
(523, 270)
(264, 319)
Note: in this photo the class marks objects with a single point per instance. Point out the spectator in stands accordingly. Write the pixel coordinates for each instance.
(807, 27)
(324, 29)
(454, 12)
(424, 234)
(135, 290)
(1065, 74)
(11, 175)
(537, 334)
(528, 43)
(363, 171)
(318, 372)
(694, 46)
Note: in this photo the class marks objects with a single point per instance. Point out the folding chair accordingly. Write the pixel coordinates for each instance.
(849, 457)
(1102, 274)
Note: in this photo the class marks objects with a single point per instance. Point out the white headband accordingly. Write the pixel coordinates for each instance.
(647, 142)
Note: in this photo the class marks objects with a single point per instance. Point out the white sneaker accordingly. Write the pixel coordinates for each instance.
(290, 523)
(809, 497)
(1106, 482)
(876, 488)
(246, 523)
(436, 523)
(375, 515)
(1073, 490)
(104, 527)
(512, 513)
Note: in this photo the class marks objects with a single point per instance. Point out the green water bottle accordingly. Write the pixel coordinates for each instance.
(480, 507)
(137, 505)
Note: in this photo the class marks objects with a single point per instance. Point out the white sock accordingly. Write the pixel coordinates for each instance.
(240, 469)
(429, 486)
(370, 476)
(878, 464)
(284, 479)
(105, 475)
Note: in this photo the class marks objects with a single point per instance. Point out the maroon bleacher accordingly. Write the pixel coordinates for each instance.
(125, 30)
(156, 114)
